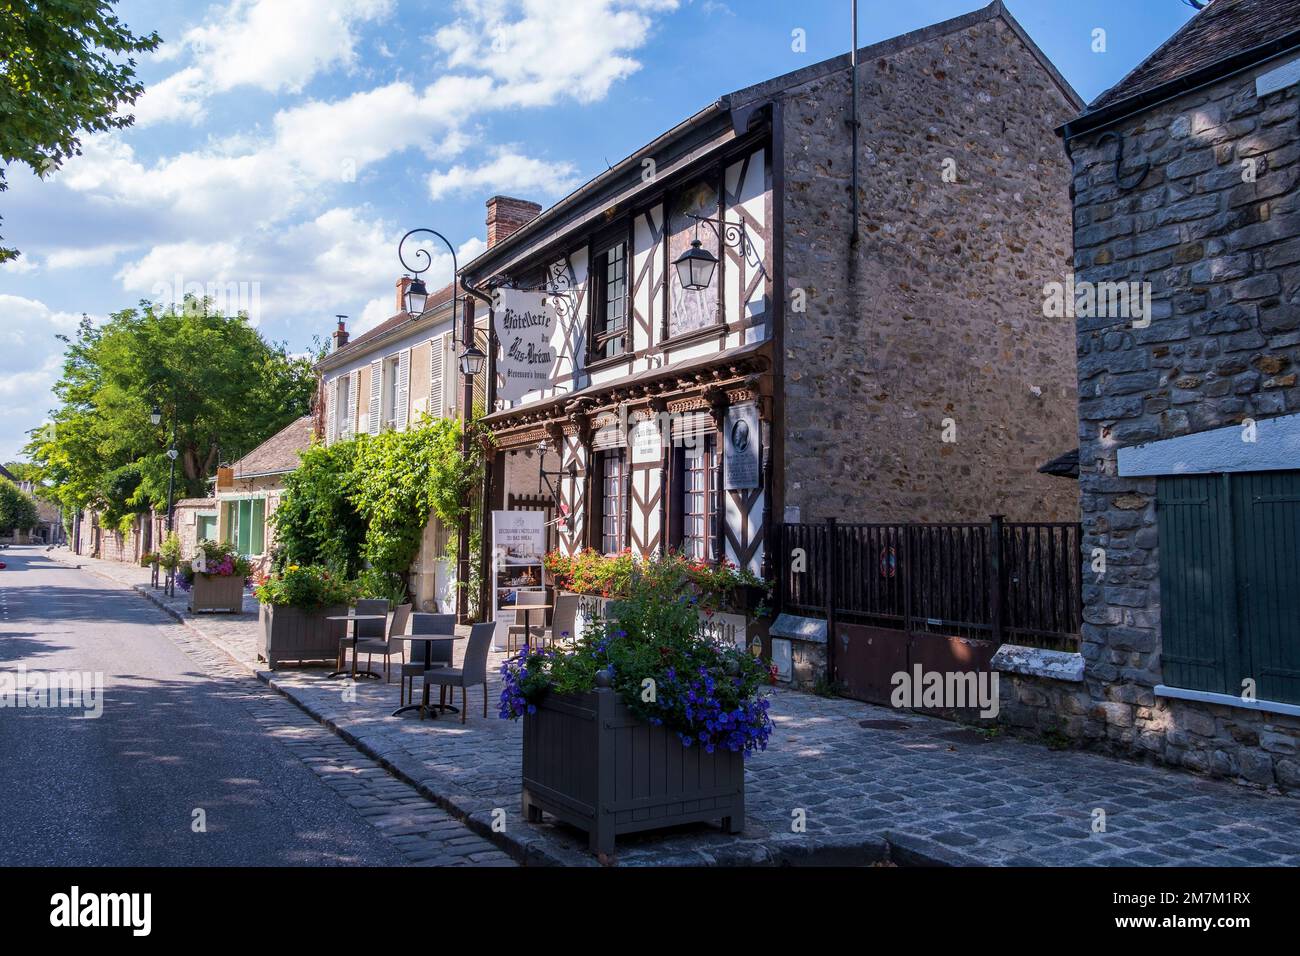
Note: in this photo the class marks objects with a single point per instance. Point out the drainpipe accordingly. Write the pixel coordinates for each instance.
(853, 123)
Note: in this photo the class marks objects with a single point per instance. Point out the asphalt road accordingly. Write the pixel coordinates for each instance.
(121, 789)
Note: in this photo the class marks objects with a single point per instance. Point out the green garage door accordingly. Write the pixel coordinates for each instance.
(1230, 582)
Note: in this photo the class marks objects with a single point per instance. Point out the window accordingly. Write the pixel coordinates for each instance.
(609, 305)
(613, 500)
(246, 525)
(390, 392)
(206, 528)
(1229, 557)
(344, 416)
(697, 483)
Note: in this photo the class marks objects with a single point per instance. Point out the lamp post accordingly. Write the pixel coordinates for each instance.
(695, 266)
(155, 416)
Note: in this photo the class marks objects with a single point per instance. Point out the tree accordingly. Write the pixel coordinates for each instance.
(17, 510)
(219, 385)
(63, 74)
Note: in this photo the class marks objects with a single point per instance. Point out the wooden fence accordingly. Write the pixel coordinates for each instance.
(1004, 581)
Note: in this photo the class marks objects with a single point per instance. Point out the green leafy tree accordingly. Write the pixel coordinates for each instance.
(67, 69)
(17, 509)
(316, 522)
(221, 389)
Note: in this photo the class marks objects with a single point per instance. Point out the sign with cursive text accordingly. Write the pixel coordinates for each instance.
(526, 359)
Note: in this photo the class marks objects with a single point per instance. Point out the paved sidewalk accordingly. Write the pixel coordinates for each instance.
(910, 788)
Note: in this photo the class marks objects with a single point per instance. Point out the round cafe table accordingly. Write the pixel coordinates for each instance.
(428, 641)
(353, 618)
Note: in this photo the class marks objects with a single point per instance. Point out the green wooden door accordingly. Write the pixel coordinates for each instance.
(244, 528)
(1230, 582)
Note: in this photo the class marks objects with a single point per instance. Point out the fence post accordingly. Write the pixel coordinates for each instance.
(996, 577)
(829, 583)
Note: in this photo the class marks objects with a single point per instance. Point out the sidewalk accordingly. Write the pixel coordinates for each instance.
(872, 783)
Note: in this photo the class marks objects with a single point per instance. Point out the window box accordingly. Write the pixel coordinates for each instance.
(579, 756)
(297, 634)
(216, 592)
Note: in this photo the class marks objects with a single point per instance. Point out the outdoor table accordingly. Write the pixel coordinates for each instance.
(427, 640)
(353, 618)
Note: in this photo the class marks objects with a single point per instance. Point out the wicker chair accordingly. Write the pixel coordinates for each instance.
(365, 630)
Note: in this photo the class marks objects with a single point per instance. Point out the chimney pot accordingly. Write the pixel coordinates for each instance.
(507, 215)
(340, 335)
(403, 284)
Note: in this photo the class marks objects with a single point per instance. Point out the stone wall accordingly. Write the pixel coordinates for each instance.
(1223, 258)
(941, 315)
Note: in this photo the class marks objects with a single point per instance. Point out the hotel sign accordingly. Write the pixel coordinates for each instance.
(524, 323)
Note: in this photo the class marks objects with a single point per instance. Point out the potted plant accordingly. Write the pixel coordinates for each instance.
(148, 559)
(295, 603)
(215, 578)
(642, 688)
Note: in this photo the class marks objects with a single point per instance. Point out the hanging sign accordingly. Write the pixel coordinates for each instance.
(740, 448)
(646, 441)
(526, 360)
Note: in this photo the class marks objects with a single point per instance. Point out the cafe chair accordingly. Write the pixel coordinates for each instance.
(564, 622)
(391, 644)
(473, 669)
(440, 652)
(364, 630)
(518, 629)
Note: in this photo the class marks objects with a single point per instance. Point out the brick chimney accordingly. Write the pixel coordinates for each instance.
(506, 216)
(403, 284)
(340, 334)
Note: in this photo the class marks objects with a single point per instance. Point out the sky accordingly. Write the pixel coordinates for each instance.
(283, 147)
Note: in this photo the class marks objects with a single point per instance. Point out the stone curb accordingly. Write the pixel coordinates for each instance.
(534, 850)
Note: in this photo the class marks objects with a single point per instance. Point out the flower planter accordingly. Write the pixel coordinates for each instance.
(214, 592)
(297, 634)
(591, 763)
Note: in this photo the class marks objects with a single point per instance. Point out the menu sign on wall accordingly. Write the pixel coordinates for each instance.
(526, 360)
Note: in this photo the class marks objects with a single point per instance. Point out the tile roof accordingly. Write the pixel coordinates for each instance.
(279, 453)
(195, 503)
(1224, 29)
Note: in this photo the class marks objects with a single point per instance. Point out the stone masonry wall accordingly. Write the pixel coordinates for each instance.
(1223, 257)
(942, 315)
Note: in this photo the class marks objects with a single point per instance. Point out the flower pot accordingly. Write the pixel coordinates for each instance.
(212, 592)
(299, 634)
(591, 763)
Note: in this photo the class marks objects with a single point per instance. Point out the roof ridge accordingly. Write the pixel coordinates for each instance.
(1160, 49)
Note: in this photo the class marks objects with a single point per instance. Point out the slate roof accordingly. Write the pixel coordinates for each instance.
(1223, 30)
(1062, 466)
(279, 453)
(4, 473)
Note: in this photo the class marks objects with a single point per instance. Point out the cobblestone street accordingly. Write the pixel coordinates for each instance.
(903, 786)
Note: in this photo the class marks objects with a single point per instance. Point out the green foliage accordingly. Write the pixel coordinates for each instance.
(713, 587)
(373, 583)
(67, 68)
(366, 501)
(216, 381)
(169, 554)
(307, 587)
(17, 509)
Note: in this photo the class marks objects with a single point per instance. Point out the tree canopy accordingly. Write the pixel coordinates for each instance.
(221, 388)
(67, 68)
(17, 510)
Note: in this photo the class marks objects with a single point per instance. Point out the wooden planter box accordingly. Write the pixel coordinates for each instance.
(295, 634)
(589, 762)
(213, 592)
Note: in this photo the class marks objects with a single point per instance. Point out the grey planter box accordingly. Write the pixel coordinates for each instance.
(589, 762)
(212, 592)
(295, 634)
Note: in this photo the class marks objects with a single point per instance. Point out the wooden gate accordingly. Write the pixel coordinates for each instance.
(942, 596)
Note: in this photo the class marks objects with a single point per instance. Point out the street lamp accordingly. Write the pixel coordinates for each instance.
(155, 416)
(472, 361)
(695, 266)
(416, 297)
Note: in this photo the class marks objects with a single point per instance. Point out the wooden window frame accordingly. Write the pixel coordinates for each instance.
(712, 479)
(597, 295)
(598, 513)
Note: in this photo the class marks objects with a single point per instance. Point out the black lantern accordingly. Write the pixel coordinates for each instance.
(695, 267)
(155, 416)
(472, 360)
(416, 296)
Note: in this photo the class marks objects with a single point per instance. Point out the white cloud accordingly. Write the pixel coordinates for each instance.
(274, 45)
(540, 51)
(510, 172)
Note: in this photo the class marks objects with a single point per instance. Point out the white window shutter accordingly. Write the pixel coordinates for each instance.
(331, 412)
(437, 346)
(354, 388)
(376, 394)
(402, 413)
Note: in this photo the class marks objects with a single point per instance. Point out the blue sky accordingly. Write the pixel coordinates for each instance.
(283, 146)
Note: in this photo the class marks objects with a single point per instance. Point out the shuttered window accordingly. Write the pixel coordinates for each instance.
(1230, 582)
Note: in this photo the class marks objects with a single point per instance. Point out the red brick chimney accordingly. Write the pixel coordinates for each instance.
(506, 216)
(340, 334)
(403, 284)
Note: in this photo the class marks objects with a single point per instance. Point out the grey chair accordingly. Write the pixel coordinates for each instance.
(564, 622)
(473, 669)
(391, 643)
(519, 627)
(440, 652)
(365, 630)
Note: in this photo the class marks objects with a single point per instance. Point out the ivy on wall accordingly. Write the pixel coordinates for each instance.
(366, 501)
